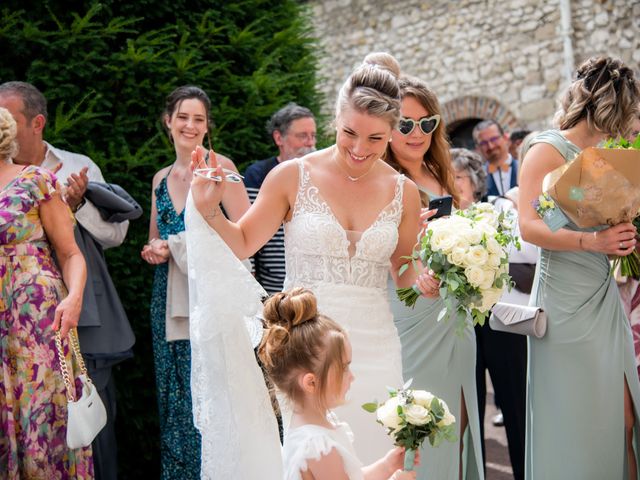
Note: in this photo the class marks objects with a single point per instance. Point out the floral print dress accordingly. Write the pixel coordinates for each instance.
(33, 404)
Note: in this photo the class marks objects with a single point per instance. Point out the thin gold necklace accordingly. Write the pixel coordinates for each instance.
(353, 179)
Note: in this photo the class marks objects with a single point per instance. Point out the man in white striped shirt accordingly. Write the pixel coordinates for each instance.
(293, 129)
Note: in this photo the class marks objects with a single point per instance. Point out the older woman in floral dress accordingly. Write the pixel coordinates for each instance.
(34, 305)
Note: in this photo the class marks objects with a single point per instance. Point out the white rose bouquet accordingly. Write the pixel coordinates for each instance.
(468, 253)
(411, 416)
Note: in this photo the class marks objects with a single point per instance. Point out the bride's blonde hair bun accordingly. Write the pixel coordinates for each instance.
(373, 89)
(383, 60)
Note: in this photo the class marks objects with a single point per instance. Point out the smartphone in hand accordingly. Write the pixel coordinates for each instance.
(443, 205)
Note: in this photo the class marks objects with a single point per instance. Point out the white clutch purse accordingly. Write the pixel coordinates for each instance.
(520, 319)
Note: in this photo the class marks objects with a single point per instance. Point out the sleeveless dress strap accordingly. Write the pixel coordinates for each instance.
(399, 188)
(554, 138)
(302, 181)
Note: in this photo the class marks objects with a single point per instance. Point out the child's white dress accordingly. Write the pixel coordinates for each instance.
(310, 442)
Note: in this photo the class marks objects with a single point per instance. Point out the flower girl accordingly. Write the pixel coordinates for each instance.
(307, 356)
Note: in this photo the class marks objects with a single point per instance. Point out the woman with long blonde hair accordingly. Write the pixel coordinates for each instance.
(433, 355)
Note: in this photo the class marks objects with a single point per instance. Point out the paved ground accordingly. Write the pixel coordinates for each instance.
(498, 464)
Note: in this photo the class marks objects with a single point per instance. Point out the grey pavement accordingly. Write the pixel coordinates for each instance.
(498, 464)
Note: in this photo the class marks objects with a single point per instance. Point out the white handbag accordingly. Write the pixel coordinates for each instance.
(520, 319)
(86, 415)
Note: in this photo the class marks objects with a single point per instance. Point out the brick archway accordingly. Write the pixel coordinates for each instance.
(460, 109)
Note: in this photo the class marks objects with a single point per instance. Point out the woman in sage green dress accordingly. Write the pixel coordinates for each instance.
(583, 389)
(433, 355)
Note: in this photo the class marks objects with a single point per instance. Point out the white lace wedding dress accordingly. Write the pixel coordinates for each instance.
(231, 406)
(348, 272)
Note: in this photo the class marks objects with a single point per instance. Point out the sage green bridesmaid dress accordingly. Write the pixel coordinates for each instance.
(575, 403)
(444, 363)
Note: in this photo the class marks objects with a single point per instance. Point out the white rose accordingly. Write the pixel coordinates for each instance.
(485, 207)
(487, 229)
(472, 235)
(462, 242)
(476, 256)
(490, 297)
(493, 260)
(475, 275)
(448, 419)
(423, 398)
(488, 219)
(457, 256)
(387, 413)
(442, 239)
(493, 246)
(489, 278)
(417, 415)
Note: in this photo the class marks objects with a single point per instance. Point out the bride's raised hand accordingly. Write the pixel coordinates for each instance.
(208, 182)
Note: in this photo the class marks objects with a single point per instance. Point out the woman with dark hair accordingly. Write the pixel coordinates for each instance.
(186, 117)
(583, 388)
(433, 355)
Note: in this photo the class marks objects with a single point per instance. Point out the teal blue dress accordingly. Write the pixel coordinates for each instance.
(444, 363)
(575, 403)
(179, 439)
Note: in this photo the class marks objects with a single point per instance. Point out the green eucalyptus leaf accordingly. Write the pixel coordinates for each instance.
(370, 407)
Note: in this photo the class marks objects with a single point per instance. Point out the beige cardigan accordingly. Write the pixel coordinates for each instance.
(177, 313)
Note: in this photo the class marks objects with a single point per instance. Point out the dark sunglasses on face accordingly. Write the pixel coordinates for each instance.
(427, 124)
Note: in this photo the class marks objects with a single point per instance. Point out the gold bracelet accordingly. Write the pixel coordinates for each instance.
(580, 241)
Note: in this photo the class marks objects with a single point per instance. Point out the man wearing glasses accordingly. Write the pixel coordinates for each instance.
(493, 144)
(293, 129)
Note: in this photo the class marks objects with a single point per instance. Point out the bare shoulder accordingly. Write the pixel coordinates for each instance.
(542, 157)
(283, 177)
(411, 194)
(327, 466)
(160, 174)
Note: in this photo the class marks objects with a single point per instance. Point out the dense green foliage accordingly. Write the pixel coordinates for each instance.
(106, 69)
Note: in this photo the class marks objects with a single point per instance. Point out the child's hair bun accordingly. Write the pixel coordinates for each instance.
(289, 309)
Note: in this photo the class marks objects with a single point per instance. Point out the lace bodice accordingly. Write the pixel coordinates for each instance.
(319, 250)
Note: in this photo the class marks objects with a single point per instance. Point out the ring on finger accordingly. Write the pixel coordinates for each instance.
(621, 245)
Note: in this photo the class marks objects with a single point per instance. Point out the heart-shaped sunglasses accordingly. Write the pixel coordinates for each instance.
(427, 124)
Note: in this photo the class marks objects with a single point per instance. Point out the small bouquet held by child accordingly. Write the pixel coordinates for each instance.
(411, 416)
(601, 186)
(468, 253)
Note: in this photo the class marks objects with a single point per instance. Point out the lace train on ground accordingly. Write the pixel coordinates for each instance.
(231, 405)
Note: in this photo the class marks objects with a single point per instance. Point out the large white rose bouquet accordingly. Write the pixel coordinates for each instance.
(411, 416)
(468, 253)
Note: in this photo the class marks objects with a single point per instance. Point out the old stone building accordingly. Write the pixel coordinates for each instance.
(502, 59)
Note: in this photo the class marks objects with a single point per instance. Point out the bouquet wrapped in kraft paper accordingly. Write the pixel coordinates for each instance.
(601, 186)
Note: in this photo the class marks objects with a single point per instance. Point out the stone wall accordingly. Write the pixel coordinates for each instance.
(473, 53)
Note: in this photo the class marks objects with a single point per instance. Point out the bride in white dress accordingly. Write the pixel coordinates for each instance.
(349, 218)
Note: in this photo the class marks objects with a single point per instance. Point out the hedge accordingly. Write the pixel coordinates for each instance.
(106, 69)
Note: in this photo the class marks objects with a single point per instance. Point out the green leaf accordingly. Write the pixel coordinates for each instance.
(370, 407)
(403, 269)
